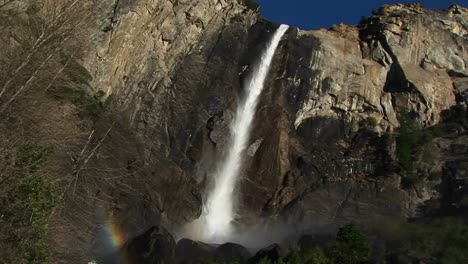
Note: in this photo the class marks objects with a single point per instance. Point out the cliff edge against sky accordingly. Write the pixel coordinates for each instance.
(113, 113)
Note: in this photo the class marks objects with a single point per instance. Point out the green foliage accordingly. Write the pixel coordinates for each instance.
(369, 122)
(30, 157)
(293, 257)
(311, 256)
(217, 261)
(35, 198)
(443, 238)
(411, 139)
(315, 256)
(408, 140)
(351, 246)
(265, 260)
(372, 121)
(38, 199)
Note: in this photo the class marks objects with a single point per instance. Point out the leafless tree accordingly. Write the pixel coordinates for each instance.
(5, 3)
(42, 45)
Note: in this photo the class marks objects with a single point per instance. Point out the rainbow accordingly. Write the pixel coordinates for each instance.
(114, 233)
(115, 236)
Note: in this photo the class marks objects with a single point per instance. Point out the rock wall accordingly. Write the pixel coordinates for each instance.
(332, 95)
(174, 72)
(169, 67)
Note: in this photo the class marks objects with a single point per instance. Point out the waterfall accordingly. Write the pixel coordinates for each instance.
(218, 211)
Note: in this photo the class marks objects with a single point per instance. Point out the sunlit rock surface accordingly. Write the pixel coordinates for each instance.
(176, 69)
(316, 157)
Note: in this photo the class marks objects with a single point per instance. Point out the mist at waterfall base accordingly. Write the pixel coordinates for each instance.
(215, 225)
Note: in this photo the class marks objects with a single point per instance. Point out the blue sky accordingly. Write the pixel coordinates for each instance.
(310, 14)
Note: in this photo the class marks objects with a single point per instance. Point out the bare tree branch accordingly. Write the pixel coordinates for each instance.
(82, 165)
(5, 3)
(33, 76)
(60, 71)
(25, 62)
(52, 29)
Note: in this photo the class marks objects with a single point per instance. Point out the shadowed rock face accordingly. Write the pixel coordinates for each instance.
(272, 253)
(327, 164)
(177, 78)
(320, 162)
(155, 246)
(230, 252)
(175, 69)
(189, 251)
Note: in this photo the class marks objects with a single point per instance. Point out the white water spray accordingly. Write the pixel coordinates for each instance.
(218, 212)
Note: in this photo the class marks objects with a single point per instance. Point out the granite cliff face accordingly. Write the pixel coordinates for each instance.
(174, 71)
(324, 135)
(330, 164)
(175, 80)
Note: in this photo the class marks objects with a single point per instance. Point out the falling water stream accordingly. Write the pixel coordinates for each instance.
(218, 211)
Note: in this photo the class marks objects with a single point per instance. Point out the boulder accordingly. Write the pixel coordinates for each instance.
(155, 246)
(230, 252)
(193, 252)
(272, 253)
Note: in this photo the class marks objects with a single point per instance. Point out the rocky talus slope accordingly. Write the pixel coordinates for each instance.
(164, 77)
